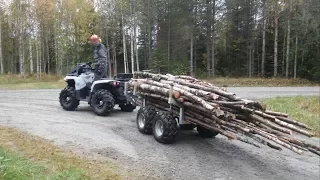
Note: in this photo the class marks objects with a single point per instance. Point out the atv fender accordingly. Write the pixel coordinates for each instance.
(79, 83)
(102, 84)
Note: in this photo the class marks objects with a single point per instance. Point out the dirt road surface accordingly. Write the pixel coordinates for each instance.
(190, 157)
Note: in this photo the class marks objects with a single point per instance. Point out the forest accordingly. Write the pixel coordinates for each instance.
(202, 38)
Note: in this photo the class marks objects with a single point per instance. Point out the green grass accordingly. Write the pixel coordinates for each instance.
(262, 82)
(303, 109)
(24, 156)
(11, 81)
(13, 166)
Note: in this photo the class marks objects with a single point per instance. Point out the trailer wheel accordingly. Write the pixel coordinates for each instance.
(165, 127)
(206, 133)
(144, 119)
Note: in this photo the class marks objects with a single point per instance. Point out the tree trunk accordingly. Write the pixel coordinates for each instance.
(21, 50)
(275, 70)
(263, 42)
(135, 35)
(250, 62)
(38, 59)
(115, 60)
(284, 54)
(125, 59)
(132, 51)
(169, 35)
(295, 59)
(1, 57)
(31, 57)
(208, 48)
(288, 44)
(191, 55)
(149, 33)
(213, 38)
(21, 56)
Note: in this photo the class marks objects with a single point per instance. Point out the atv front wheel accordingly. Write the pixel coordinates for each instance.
(127, 107)
(145, 117)
(68, 99)
(102, 102)
(206, 133)
(165, 127)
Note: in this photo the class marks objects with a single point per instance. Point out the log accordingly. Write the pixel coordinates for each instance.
(267, 123)
(277, 114)
(277, 121)
(156, 89)
(276, 140)
(291, 121)
(193, 90)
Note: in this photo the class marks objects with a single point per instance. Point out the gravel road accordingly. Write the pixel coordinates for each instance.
(190, 157)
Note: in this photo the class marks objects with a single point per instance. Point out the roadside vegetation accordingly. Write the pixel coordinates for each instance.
(303, 109)
(262, 82)
(24, 157)
(12, 81)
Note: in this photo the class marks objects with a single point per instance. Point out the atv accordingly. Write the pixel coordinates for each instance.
(102, 95)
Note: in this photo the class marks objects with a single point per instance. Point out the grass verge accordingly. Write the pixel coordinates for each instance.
(23, 156)
(300, 108)
(262, 82)
(11, 81)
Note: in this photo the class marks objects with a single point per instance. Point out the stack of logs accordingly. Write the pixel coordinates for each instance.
(216, 109)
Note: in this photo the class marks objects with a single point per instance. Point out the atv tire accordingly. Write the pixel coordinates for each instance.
(206, 133)
(127, 107)
(67, 99)
(102, 102)
(145, 118)
(165, 127)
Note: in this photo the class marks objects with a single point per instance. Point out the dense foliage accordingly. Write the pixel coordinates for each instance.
(199, 37)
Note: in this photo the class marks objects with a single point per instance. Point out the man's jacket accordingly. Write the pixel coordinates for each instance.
(100, 55)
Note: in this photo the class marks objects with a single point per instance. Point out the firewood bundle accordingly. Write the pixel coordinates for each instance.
(216, 109)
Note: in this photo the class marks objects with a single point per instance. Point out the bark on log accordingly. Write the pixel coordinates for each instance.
(277, 121)
(277, 113)
(193, 90)
(291, 121)
(267, 123)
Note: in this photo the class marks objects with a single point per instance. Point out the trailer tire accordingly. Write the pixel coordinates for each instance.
(67, 99)
(206, 133)
(145, 118)
(165, 127)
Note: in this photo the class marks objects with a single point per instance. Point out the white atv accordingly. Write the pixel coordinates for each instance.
(102, 95)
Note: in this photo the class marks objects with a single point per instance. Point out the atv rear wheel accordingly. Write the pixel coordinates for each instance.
(67, 99)
(206, 133)
(127, 107)
(145, 118)
(165, 127)
(102, 102)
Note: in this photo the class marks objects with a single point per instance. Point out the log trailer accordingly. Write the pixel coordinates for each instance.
(163, 123)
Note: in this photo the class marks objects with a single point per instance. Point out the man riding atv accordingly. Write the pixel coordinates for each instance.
(93, 87)
(100, 56)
